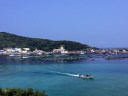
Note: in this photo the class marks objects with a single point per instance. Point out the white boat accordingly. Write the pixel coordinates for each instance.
(85, 76)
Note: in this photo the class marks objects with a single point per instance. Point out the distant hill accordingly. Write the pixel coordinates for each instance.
(11, 40)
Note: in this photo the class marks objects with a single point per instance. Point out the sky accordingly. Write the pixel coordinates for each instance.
(98, 23)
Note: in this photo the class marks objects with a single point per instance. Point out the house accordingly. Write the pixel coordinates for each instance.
(25, 50)
(18, 50)
(61, 50)
(9, 50)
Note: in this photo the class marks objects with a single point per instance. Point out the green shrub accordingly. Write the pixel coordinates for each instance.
(21, 92)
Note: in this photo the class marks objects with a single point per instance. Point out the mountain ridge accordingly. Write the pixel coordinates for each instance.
(12, 40)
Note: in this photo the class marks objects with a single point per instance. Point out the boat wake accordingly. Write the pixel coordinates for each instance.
(75, 75)
(69, 74)
(61, 73)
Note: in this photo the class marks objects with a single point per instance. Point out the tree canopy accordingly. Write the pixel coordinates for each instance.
(11, 40)
(21, 92)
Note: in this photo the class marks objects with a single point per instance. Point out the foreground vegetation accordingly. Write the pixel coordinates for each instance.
(11, 40)
(21, 92)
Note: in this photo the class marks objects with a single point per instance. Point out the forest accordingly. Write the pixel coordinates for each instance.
(15, 41)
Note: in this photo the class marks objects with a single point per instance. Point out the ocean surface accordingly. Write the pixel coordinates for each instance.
(60, 79)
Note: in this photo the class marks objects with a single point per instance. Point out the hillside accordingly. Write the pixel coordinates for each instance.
(11, 40)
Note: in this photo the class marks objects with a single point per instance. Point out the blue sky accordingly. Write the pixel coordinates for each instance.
(99, 23)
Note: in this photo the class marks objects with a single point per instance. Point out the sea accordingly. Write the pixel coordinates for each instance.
(61, 79)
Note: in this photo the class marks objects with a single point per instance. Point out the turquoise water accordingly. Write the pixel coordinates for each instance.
(110, 77)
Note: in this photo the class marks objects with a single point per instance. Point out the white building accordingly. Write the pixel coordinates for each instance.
(38, 51)
(9, 49)
(25, 50)
(18, 50)
(60, 50)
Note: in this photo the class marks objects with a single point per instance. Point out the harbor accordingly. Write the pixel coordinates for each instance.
(25, 73)
(63, 55)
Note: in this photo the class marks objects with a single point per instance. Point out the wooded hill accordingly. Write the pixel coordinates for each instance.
(11, 40)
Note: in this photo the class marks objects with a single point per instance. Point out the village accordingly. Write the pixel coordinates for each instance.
(59, 51)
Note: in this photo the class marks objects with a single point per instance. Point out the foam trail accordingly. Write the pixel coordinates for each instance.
(76, 75)
(69, 74)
